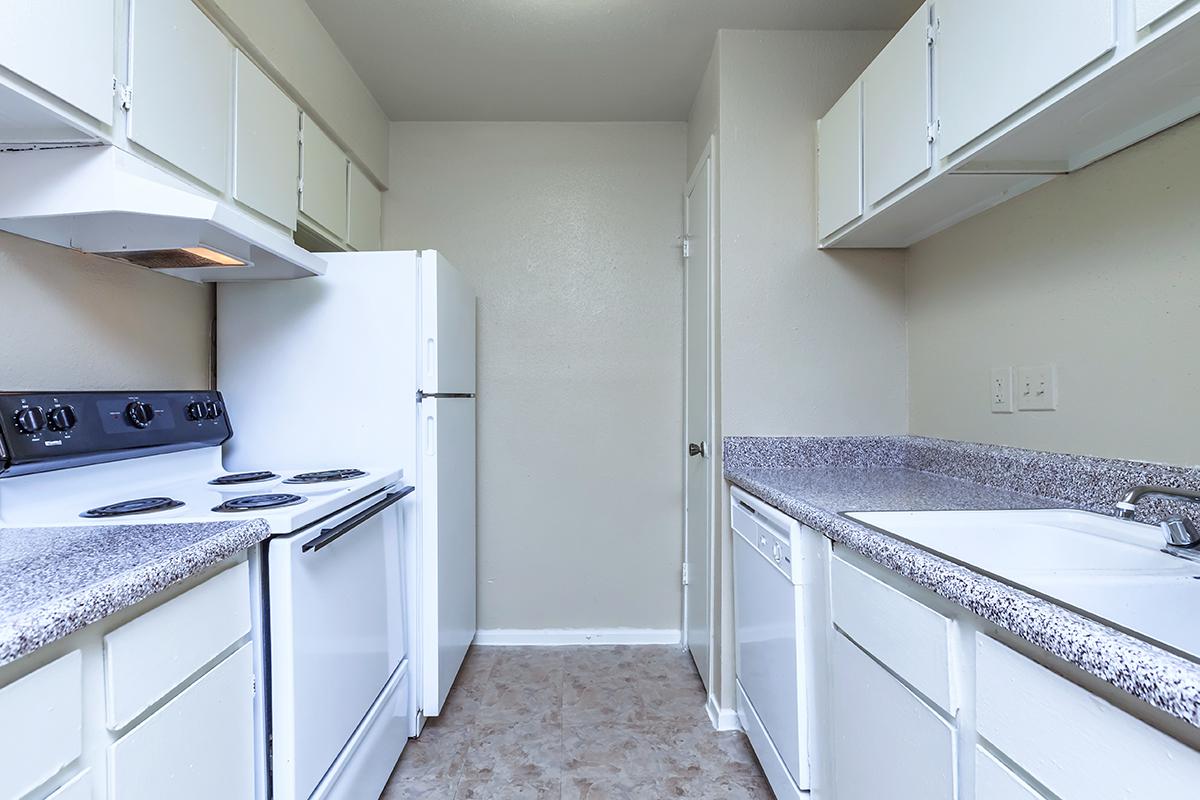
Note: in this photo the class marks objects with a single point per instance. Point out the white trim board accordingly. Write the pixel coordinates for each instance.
(552, 637)
(723, 719)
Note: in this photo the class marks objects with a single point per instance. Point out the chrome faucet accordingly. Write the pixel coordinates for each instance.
(1178, 531)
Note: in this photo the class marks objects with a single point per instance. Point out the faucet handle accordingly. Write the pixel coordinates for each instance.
(1180, 532)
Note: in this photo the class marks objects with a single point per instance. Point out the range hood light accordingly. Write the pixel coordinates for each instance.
(178, 258)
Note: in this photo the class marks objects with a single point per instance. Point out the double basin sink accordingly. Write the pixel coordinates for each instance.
(1113, 570)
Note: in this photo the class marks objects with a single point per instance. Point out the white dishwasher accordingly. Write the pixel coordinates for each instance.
(772, 658)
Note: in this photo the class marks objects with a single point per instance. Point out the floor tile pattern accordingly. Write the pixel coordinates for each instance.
(577, 723)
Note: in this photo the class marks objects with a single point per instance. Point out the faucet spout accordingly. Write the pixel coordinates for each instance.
(1179, 532)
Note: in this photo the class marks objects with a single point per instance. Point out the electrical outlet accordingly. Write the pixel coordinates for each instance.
(1002, 390)
(1037, 388)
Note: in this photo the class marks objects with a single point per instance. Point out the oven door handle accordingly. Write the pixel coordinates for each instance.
(330, 535)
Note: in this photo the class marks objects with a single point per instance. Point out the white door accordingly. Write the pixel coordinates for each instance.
(896, 90)
(266, 160)
(886, 741)
(698, 413)
(324, 179)
(994, 58)
(446, 510)
(181, 74)
(35, 36)
(839, 163)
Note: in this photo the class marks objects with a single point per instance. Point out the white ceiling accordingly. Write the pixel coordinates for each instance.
(560, 60)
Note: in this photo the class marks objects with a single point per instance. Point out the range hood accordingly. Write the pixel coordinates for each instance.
(106, 201)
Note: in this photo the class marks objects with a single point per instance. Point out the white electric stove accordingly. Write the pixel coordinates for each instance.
(329, 585)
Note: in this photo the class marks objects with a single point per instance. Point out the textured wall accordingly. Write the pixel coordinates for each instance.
(1096, 272)
(812, 342)
(569, 233)
(73, 321)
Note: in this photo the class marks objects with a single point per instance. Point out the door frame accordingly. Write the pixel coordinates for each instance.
(706, 162)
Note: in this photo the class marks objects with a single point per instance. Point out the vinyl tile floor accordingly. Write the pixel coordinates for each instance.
(584, 723)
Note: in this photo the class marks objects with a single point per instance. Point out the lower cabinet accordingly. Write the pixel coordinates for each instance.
(154, 702)
(198, 746)
(886, 741)
(905, 724)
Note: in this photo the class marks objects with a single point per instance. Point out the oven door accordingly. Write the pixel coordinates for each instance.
(336, 608)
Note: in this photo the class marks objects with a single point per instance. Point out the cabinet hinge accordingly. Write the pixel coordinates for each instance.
(123, 93)
(687, 247)
(685, 573)
(300, 186)
(933, 130)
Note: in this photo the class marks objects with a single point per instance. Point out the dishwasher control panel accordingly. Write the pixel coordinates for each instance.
(770, 536)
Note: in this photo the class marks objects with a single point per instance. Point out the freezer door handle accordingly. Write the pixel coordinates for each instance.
(444, 395)
(329, 535)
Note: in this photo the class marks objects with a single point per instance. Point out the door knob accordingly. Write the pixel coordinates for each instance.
(697, 449)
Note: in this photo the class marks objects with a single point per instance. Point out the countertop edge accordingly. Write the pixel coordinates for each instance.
(25, 633)
(1129, 664)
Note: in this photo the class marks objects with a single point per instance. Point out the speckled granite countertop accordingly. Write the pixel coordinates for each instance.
(54, 581)
(814, 480)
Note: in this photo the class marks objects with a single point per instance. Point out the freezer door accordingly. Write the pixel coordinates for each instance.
(446, 511)
(447, 336)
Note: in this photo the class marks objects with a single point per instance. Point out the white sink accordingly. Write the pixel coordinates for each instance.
(1111, 569)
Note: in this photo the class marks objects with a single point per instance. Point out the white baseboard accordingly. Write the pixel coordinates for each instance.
(723, 719)
(552, 637)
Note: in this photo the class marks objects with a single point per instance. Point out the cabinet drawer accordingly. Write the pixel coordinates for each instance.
(78, 788)
(1074, 743)
(199, 746)
(994, 781)
(911, 639)
(44, 710)
(146, 658)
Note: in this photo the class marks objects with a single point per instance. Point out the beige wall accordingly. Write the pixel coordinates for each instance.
(1097, 272)
(569, 233)
(812, 342)
(286, 36)
(73, 321)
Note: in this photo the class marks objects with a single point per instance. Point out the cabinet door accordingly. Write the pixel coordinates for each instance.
(64, 47)
(266, 155)
(1148, 12)
(42, 718)
(323, 179)
(198, 746)
(181, 74)
(995, 58)
(886, 742)
(896, 96)
(839, 163)
(366, 211)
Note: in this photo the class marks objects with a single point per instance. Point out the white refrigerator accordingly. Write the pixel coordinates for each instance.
(372, 363)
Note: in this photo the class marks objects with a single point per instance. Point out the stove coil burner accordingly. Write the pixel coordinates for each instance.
(258, 502)
(326, 476)
(243, 477)
(143, 505)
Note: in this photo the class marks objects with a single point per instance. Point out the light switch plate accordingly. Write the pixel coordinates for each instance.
(1037, 388)
(1002, 390)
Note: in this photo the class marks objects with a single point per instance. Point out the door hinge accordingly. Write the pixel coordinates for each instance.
(687, 247)
(300, 186)
(685, 573)
(930, 34)
(933, 130)
(123, 93)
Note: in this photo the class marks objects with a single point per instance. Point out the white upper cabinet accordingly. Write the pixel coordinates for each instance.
(266, 160)
(366, 212)
(323, 176)
(995, 58)
(896, 110)
(1147, 12)
(839, 163)
(181, 74)
(64, 47)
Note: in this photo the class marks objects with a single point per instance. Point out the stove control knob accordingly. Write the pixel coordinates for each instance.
(62, 418)
(139, 414)
(213, 410)
(30, 420)
(195, 411)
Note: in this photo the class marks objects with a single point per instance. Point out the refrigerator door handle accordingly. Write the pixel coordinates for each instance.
(444, 395)
(328, 535)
